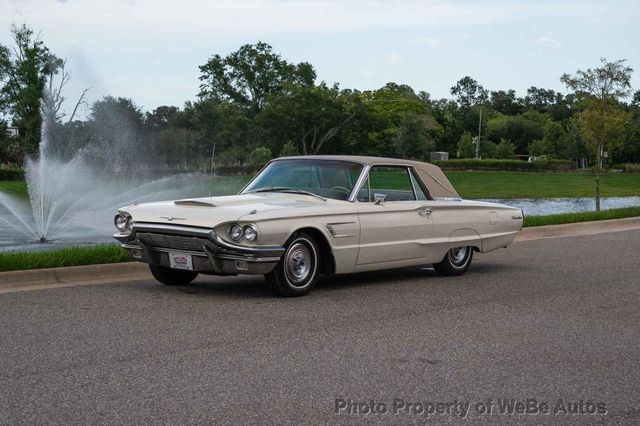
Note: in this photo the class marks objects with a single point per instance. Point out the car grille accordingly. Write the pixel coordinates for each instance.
(175, 242)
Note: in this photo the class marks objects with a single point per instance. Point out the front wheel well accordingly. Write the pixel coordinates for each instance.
(328, 261)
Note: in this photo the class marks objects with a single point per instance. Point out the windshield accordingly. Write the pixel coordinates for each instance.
(325, 178)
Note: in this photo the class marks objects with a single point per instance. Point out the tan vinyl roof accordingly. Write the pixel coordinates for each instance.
(432, 176)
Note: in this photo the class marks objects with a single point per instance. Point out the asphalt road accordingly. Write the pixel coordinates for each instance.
(549, 319)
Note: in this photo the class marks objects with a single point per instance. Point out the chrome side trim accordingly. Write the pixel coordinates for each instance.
(335, 233)
(276, 250)
(363, 175)
(413, 185)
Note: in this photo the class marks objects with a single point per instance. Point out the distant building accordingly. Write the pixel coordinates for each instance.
(439, 155)
(13, 132)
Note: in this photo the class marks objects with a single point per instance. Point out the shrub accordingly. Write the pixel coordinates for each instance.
(466, 148)
(289, 150)
(487, 149)
(259, 157)
(11, 173)
(505, 150)
(627, 167)
(506, 165)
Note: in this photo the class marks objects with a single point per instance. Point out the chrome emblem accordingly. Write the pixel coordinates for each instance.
(171, 218)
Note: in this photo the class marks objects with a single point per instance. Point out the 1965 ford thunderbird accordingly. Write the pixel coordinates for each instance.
(300, 217)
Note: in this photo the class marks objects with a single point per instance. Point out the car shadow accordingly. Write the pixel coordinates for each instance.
(256, 287)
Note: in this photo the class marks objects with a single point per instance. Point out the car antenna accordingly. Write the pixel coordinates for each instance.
(213, 156)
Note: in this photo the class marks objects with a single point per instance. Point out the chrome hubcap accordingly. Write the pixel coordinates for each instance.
(458, 255)
(298, 263)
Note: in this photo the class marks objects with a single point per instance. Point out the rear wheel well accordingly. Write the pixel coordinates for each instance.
(328, 261)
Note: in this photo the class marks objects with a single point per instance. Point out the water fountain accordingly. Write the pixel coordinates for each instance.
(73, 200)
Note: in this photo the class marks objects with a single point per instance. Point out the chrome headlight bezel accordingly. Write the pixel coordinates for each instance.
(250, 233)
(123, 222)
(236, 237)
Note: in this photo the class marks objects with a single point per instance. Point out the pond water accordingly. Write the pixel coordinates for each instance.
(547, 206)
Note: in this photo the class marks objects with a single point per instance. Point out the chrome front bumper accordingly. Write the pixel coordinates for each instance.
(151, 243)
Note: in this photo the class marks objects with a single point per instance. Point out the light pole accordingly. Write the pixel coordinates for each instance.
(479, 131)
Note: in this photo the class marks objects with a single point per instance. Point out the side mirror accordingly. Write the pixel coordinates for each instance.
(379, 198)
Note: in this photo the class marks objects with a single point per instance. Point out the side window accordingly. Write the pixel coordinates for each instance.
(393, 183)
(416, 185)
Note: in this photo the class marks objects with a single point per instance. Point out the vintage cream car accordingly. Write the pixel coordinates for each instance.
(300, 217)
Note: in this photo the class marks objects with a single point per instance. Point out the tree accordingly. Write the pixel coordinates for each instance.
(520, 129)
(505, 150)
(553, 144)
(24, 70)
(611, 131)
(116, 132)
(606, 85)
(310, 116)
(259, 157)
(413, 139)
(388, 115)
(487, 149)
(540, 148)
(469, 92)
(505, 102)
(466, 147)
(289, 150)
(249, 75)
(161, 118)
(631, 144)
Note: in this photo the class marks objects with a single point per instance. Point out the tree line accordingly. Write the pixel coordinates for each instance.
(254, 105)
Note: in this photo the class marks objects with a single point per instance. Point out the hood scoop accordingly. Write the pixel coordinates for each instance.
(194, 203)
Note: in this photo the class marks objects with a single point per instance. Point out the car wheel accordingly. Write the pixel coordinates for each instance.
(297, 272)
(455, 262)
(170, 276)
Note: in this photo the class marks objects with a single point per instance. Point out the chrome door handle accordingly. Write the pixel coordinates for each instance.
(424, 212)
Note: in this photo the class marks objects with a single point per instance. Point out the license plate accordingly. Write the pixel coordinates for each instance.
(181, 261)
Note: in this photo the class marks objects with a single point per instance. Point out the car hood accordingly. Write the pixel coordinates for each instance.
(212, 211)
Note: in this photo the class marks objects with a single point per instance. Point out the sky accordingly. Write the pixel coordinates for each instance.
(150, 50)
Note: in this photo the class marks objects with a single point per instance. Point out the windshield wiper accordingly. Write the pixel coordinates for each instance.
(270, 189)
(287, 190)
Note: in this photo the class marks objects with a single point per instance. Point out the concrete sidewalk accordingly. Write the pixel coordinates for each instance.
(38, 279)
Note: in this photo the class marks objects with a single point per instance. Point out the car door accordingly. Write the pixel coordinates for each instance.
(395, 218)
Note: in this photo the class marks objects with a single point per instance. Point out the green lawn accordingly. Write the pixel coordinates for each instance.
(471, 184)
(73, 256)
(17, 188)
(556, 219)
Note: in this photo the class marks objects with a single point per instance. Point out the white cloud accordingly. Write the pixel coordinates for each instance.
(548, 41)
(394, 57)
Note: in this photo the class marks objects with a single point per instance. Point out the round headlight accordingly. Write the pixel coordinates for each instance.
(235, 232)
(250, 233)
(120, 222)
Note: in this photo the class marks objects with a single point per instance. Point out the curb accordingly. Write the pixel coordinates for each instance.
(39, 279)
(577, 229)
